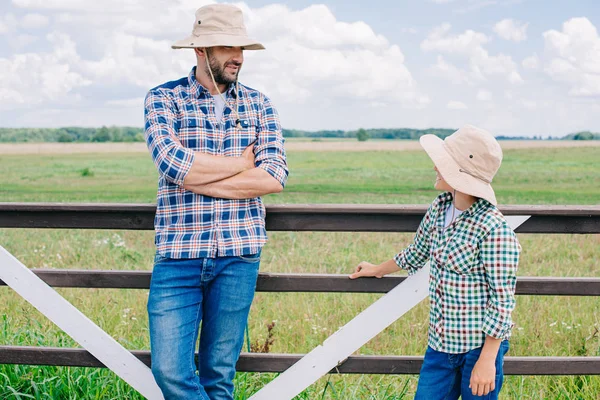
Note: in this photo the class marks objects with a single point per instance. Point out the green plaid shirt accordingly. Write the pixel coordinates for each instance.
(473, 274)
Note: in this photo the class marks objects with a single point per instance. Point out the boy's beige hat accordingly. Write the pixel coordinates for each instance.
(219, 25)
(467, 160)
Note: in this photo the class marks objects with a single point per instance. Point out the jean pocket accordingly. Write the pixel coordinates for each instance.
(250, 258)
(159, 258)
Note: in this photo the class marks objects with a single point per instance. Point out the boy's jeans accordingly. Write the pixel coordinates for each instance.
(183, 292)
(447, 376)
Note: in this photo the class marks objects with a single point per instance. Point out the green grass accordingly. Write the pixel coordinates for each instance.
(545, 325)
(532, 176)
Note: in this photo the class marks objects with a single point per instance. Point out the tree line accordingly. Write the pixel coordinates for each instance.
(72, 134)
(132, 134)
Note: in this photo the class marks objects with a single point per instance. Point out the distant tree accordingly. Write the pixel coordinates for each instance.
(362, 135)
(65, 138)
(139, 137)
(584, 136)
(102, 135)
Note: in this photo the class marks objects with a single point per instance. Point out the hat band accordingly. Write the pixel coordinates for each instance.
(475, 176)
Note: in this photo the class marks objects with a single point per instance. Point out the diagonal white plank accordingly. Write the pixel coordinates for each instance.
(352, 336)
(78, 326)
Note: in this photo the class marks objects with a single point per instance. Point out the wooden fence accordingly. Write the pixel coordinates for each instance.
(310, 217)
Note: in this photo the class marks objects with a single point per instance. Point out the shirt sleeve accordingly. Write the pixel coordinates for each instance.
(417, 254)
(499, 254)
(172, 160)
(269, 151)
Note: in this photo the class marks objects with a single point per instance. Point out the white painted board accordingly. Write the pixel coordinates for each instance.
(78, 326)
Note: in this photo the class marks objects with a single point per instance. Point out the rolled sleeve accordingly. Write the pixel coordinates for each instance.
(269, 149)
(499, 254)
(172, 160)
(416, 255)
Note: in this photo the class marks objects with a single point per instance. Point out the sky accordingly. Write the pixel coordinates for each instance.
(513, 67)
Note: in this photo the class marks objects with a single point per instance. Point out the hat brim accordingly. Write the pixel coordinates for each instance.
(193, 42)
(450, 170)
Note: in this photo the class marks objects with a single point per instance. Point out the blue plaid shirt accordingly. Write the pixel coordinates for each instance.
(189, 225)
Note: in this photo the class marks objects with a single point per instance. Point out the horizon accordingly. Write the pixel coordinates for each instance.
(515, 135)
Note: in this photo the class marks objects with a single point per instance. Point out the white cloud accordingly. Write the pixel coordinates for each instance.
(311, 54)
(450, 72)
(411, 31)
(531, 62)
(528, 104)
(34, 21)
(574, 55)
(50, 4)
(509, 29)
(456, 105)
(465, 43)
(484, 95)
(32, 78)
(105, 55)
(8, 23)
(469, 46)
(137, 60)
(136, 102)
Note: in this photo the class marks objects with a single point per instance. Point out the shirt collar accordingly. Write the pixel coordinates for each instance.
(446, 197)
(197, 89)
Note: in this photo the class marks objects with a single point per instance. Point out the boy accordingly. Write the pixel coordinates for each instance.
(474, 256)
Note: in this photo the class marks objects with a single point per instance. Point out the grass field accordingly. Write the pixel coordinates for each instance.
(545, 326)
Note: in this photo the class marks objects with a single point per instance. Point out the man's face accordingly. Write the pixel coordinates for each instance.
(225, 63)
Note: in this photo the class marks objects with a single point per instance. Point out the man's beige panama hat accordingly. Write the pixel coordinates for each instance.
(219, 25)
(467, 160)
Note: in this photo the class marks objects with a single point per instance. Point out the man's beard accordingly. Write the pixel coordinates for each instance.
(219, 71)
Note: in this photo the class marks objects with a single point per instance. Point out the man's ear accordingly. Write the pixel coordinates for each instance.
(200, 52)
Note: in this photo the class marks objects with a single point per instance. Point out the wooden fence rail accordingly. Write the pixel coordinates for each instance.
(301, 217)
(332, 218)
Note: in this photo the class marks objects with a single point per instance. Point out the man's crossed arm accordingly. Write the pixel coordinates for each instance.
(260, 170)
(230, 177)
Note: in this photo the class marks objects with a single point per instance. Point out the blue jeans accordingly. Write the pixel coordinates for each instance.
(184, 292)
(447, 376)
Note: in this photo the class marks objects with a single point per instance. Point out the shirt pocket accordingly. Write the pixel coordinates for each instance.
(237, 139)
(460, 257)
(190, 133)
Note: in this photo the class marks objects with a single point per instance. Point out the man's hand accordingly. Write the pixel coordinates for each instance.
(248, 156)
(365, 269)
(483, 377)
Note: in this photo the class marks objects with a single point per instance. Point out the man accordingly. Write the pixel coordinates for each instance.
(217, 146)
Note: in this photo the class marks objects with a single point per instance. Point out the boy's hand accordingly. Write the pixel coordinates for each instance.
(365, 269)
(483, 377)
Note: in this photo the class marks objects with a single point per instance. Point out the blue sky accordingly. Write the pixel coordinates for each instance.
(514, 67)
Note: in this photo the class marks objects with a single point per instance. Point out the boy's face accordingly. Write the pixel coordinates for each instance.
(440, 183)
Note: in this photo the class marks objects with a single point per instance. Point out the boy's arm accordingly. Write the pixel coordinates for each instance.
(411, 259)
(417, 254)
(483, 375)
(499, 253)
